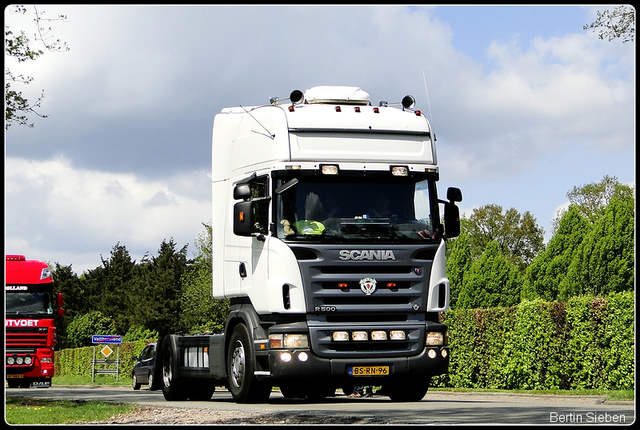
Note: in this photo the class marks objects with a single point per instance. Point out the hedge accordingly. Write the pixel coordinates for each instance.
(585, 343)
(77, 361)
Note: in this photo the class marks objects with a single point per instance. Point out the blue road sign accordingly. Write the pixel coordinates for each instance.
(106, 338)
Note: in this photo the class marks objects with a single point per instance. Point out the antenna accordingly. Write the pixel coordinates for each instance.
(424, 78)
(269, 134)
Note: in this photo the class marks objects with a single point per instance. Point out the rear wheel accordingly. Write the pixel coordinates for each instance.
(134, 382)
(171, 386)
(243, 385)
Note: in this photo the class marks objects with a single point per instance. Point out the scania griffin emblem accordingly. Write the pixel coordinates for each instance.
(368, 286)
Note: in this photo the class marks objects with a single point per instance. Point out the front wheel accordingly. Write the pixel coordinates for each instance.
(407, 390)
(243, 385)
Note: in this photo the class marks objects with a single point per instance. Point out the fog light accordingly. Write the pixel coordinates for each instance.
(444, 353)
(27, 360)
(432, 353)
(435, 338)
(338, 336)
(19, 360)
(379, 335)
(11, 360)
(359, 335)
(286, 357)
(397, 335)
(303, 356)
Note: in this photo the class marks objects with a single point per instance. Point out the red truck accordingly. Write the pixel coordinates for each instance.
(30, 333)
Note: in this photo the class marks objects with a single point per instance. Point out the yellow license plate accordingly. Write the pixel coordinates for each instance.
(369, 371)
(15, 376)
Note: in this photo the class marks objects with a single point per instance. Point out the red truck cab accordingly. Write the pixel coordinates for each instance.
(30, 333)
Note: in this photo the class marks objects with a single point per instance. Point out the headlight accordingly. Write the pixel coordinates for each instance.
(27, 360)
(11, 360)
(435, 338)
(296, 341)
(290, 341)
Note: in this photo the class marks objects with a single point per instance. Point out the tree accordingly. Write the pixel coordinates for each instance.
(200, 311)
(492, 281)
(604, 262)
(547, 271)
(458, 263)
(110, 287)
(618, 23)
(75, 303)
(517, 235)
(158, 289)
(16, 106)
(83, 327)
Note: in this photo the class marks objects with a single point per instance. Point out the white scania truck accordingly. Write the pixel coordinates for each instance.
(328, 242)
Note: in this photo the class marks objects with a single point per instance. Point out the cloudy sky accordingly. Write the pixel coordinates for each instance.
(525, 105)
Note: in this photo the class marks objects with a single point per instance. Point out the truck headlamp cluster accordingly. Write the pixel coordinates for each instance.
(288, 341)
(365, 335)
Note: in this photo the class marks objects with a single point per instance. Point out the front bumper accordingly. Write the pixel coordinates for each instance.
(285, 364)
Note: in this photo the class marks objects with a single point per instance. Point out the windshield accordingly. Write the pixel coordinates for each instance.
(356, 209)
(28, 303)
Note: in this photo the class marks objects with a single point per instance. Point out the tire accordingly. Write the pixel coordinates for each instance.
(242, 383)
(202, 392)
(172, 388)
(407, 390)
(134, 382)
(292, 391)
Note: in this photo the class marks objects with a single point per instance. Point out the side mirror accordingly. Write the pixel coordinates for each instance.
(242, 192)
(454, 194)
(243, 222)
(59, 303)
(451, 220)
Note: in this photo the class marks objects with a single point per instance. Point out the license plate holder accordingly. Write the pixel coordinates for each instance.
(368, 371)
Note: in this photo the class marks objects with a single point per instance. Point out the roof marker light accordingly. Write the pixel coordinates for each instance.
(400, 170)
(329, 169)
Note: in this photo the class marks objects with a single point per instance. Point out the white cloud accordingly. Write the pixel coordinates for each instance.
(55, 210)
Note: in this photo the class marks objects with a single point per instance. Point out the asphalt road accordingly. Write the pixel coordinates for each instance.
(437, 407)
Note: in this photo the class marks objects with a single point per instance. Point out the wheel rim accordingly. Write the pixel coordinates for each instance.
(134, 380)
(238, 364)
(166, 370)
(150, 380)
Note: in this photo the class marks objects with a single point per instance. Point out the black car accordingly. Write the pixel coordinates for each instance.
(145, 367)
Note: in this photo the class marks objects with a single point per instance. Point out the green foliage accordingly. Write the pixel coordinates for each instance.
(491, 281)
(547, 271)
(518, 235)
(139, 333)
(202, 313)
(618, 23)
(587, 343)
(604, 261)
(81, 329)
(458, 263)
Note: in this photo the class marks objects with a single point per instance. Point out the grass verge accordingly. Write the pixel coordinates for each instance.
(22, 410)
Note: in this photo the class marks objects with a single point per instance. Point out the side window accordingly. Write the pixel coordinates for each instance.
(260, 199)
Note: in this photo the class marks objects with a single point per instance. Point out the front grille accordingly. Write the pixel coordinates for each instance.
(335, 300)
(26, 337)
